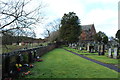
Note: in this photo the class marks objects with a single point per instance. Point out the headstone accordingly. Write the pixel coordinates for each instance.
(88, 46)
(115, 53)
(69, 45)
(80, 48)
(98, 49)
(73, 45)
(14, 43)
(101, 49)
(20, 44)
(109, 53)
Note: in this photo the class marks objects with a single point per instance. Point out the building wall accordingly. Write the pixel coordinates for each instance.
(88, 34)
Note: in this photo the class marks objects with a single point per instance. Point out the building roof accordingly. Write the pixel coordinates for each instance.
(87, 27)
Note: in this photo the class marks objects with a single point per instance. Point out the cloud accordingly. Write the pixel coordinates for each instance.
(103, 13)
(59, 7)
(104, 20)
(101, 1)
(99, 16)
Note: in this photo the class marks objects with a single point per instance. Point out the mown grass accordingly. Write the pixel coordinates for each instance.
(63, 64)
(103, 58)
(83, 52)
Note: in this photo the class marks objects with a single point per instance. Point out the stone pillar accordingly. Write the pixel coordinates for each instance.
(115, 53)
(110, 53)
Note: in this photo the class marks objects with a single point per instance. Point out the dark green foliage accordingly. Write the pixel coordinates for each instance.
(105, 39)
(8, 38)
(70, 27)
(101, 37)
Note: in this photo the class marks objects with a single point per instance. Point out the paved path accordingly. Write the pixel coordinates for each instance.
(98, 62)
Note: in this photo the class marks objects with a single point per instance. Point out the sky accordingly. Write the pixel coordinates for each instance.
(102, 13)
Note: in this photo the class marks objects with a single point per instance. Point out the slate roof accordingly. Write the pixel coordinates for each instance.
(87, 27)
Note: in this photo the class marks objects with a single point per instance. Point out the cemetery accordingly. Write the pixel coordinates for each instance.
(90, 56)
(34, 47)
(31, 63)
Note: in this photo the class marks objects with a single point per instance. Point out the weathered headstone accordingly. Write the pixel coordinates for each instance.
(88, 46)
(102, 49)
(73, 45)
(70, 45)
(115, 53)
(109, 53)
(98, 49)
(80, 48)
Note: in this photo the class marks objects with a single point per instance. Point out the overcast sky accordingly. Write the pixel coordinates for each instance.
(103, 13)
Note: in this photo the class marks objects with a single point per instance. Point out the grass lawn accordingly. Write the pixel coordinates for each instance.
(103, 58)
(62, 64)
(83, 52)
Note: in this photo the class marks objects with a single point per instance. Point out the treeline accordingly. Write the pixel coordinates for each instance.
(8, 39)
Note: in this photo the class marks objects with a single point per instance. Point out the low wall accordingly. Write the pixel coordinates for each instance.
(23, 57)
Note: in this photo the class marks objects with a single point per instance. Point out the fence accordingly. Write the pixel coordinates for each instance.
(22, 57)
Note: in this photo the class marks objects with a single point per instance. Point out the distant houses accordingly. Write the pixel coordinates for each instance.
(29, 42)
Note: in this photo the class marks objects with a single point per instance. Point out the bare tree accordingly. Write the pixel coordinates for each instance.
(15, 15)
(54, 36)
(52, 28)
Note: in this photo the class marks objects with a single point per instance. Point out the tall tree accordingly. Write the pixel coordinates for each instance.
(70, 28)
(101, 37)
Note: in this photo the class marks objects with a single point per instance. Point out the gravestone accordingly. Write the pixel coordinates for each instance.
(74, 45)
(91, 49)
(100, 49)
(80, 48)
(109, 53)
(88, 46)
(115, 53)
(70, 45)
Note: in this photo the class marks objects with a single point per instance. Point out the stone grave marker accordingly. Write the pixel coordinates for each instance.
(80, 48)
(109, 53)
(115, 53)
(88, 46)
(70, 45)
